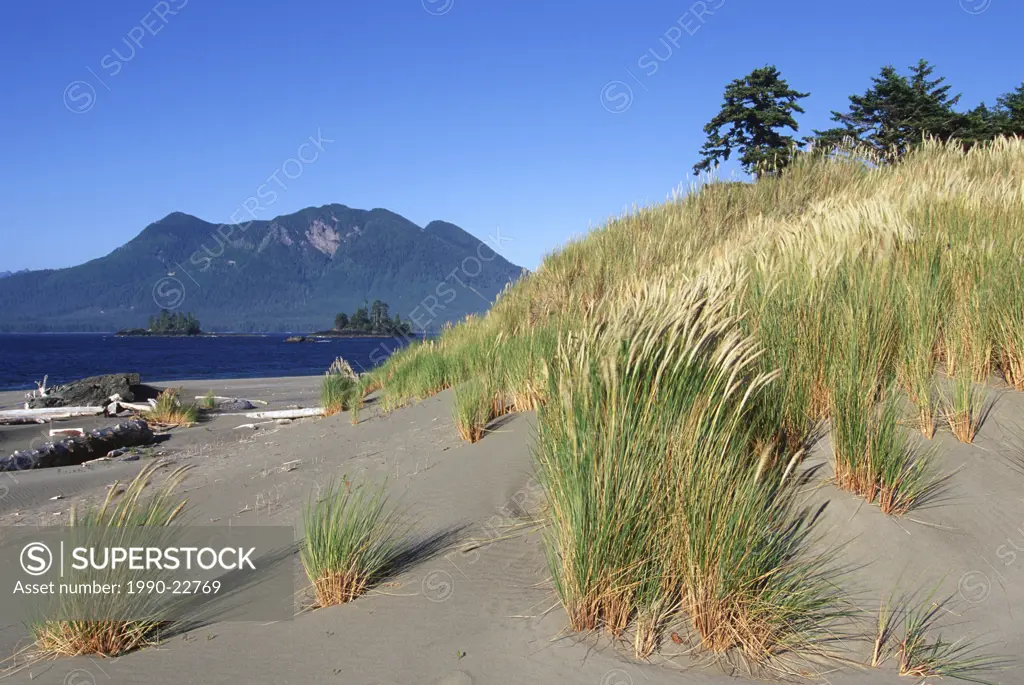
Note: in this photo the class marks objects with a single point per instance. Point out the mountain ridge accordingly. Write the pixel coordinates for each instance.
(290, 273)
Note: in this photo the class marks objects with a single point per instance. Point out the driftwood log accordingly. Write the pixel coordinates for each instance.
(219, 398)
(44, 415)
(287, 413)
(76, 450)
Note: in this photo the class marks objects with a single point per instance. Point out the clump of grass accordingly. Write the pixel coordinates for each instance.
(645, 451)
(876, 460)
(1011, 327)
(337, 393)
(114, 636)
(353, 536)
(472, 409)
(209, 401)
(341, 388)
(171, 411)
(889, 616)
(873, 457)
(920, 327)
(965, 408)
(921, 658)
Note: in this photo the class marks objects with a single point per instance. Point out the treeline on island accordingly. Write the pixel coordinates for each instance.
(892, 117)
(374, 319)
(166, 323)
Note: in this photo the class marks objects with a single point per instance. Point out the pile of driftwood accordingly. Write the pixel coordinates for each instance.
(56, 403)
(78, 449)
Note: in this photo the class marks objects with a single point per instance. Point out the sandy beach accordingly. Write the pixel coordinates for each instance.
(480, 608)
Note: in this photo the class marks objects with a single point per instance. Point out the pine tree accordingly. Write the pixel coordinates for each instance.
(1010, 112)
(896, 113)
(756, 108)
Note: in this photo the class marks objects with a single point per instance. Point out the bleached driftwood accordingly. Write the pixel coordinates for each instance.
(287, 413)
(115, 407)
(254, 426)
(45, 414)
(231, 399)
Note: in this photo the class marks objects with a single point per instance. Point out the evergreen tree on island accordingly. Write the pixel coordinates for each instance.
(174, 324)
(373, 319)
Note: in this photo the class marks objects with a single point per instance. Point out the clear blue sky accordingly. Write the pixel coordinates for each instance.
(487, 114)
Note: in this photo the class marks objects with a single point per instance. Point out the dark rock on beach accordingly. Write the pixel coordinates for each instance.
(236, 405)
(94, 391)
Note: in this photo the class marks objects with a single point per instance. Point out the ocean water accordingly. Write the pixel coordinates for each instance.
(26, 358)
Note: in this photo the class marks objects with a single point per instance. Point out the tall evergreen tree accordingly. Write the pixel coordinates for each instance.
(1010, 111)
(897, 111)
(756, 108)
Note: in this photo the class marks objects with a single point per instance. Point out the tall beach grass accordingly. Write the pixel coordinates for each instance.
(709, 341)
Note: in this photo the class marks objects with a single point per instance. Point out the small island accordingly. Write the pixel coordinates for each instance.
(372, 321)
(167, 324)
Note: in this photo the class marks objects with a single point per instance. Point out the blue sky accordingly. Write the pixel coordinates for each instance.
(492, 115)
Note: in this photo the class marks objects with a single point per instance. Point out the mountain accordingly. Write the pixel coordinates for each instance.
(5, 274)
(293, 273)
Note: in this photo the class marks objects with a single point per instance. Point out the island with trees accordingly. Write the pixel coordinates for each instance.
(168, 324)
(370, 320)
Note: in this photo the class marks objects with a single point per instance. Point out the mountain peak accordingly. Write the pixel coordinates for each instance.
(293, 272)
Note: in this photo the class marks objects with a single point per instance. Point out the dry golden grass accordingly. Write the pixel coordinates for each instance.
(170, 411)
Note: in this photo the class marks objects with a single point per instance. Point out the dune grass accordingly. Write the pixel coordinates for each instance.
(855, 284)
(920, 657)
(136, 619)
(337, 393)
(209, 401)
(657, 497)
(473, 408)
(171, 411)
(965, 407)
(341, 389)
(353, 535)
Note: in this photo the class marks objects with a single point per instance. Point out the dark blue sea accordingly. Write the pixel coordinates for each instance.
(26, 358)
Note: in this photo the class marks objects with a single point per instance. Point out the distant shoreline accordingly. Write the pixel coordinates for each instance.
(205, 334)
(228, 334)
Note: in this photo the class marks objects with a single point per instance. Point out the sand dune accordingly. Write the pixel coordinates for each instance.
(481, 609)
